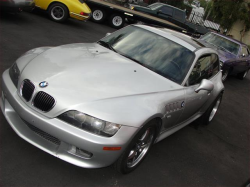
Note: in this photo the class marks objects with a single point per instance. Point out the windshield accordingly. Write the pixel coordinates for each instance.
(154, 6)
(152, 51)
(222, 43)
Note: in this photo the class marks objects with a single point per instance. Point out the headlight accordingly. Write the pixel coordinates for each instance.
(14, 74)
(89, 123)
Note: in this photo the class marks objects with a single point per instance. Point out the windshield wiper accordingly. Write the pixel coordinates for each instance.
(106, 44)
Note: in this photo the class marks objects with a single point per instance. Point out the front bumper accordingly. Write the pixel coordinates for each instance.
(40, 131)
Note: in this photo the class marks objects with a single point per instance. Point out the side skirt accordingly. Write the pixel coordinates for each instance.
(172, 130)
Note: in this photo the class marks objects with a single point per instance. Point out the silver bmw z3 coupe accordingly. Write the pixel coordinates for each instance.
(108, 102)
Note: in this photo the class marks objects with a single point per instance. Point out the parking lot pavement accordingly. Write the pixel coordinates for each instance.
(214, 155)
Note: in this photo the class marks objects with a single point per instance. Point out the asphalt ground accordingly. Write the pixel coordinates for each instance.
(214, 155)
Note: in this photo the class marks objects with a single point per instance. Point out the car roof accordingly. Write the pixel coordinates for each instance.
(229, 38)
(170, 6)
(177, 37)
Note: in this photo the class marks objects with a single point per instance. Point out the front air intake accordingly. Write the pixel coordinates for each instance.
(43, 101)
(43, 134)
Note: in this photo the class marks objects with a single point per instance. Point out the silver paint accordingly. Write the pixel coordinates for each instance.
(99, 82)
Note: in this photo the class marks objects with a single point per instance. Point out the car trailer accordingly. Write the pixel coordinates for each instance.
(116, 15)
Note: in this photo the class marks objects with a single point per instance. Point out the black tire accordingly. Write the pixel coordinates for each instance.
(137, 149)
(206, 118)
(98, 15)
(58, 12)
(116, 21)
(242, 75)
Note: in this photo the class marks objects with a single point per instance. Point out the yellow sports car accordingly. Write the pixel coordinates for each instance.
(60, 10)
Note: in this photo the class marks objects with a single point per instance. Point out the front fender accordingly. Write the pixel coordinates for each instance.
(134, 111)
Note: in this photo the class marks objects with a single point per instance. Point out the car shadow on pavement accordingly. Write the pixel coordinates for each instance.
(10, 16)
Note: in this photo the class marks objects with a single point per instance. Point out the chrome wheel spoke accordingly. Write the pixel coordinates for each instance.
(143, 146)
(132, 154)
(214, 110)
(140, 148)
(145, 136)
(224, 75)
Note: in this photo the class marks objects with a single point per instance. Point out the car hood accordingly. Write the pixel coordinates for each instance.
(80, 73)
(223, 55)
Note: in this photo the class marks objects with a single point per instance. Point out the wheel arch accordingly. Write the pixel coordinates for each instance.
(54, 2)
(157, 119)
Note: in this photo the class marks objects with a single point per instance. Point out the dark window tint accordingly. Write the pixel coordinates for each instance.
(167, 10)
(215, 66)
(179, 15)
(205, 68)
(154, 6)
(152, 51)
(223, 43)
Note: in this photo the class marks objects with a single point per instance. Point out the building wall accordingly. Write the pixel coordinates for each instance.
(235, 31)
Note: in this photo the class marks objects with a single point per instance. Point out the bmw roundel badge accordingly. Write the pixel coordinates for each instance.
(43, 84)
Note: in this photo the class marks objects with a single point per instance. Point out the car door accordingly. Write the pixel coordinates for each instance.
(38, 3)
(248, 57)
(206, 67)
(244, 59)
(43, 4)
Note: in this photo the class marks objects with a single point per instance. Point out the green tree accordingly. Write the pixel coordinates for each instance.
(244, 15)
(203, 3)
(228, 12)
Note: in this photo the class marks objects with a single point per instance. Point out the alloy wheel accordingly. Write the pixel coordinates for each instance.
(214, 110)
(97, 15)
(117, 21)
(140, 148)
(57, 13)
(224, 75)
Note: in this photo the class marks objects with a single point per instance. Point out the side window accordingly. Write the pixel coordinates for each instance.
(205, 68)
(215, 65)
(179, 15)
(167, 10)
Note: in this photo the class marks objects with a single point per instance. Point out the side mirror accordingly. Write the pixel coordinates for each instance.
(108, 34)
(205, 85)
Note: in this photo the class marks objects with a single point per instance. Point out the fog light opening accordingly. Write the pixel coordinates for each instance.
(80, 152)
